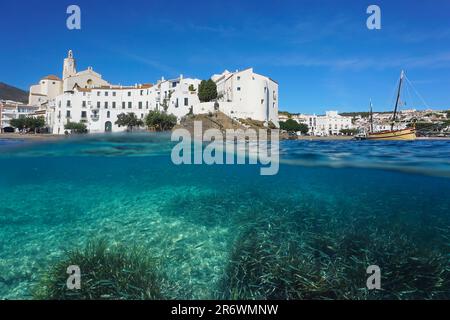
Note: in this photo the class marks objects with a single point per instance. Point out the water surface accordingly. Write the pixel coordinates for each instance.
(309, 232)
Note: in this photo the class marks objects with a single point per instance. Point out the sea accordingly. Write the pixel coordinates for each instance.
(335, 212)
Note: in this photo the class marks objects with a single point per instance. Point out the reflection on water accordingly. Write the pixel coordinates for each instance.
(309, 232)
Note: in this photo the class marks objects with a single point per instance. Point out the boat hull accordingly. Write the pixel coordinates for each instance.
(404, 134)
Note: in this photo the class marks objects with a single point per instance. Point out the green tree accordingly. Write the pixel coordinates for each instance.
(293, 126)
(18, 123)
(29, 123)
(34, 123)
(129, 120)
(160, 121)
(76, 127)
(207, 91)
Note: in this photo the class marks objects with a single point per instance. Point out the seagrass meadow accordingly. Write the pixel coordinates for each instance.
(143, 228)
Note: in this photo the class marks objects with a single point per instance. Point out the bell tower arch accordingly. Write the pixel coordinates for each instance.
(69, 68)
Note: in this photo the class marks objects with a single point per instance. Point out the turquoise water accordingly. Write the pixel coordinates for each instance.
(309, 232)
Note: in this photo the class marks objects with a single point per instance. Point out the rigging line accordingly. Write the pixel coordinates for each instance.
(410, 101)
(417, 93)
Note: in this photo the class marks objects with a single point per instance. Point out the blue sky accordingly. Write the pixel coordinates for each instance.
(319, 51)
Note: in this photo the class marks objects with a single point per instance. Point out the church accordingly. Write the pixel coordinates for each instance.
(52, 86)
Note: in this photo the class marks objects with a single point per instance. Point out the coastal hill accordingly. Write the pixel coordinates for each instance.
(216, 120)
(8, 92)
(222, 122)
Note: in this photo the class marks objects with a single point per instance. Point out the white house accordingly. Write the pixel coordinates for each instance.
(177, 96)
(245, 94)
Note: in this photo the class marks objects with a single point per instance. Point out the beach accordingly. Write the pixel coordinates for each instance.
(30, 137)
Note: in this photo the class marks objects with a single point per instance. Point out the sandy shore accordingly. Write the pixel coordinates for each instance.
(330, 138)
(30, 137)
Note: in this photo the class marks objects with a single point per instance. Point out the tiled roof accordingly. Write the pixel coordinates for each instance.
(52, 77)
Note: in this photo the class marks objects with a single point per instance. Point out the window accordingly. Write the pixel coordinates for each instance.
(238, 88)
(108, 114)
(83, 104)
(140, 104)
(114, 93)
(114, 104)
(106, 93)
(98, 104)
(129, 93)
(239, 78)
(142, 116)
(98, 93)
(68, 114)
(186, 101)
(106, 104)
(142, 92)
(129, 105)
(83, 114)
(123, 105)
(68, 103)
(146, 104)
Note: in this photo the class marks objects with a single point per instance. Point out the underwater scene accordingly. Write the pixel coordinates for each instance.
(140, 227)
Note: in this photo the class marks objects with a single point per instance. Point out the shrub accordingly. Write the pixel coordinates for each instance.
(293, 126)
(76, 127)
(129, 120)
(160, 121)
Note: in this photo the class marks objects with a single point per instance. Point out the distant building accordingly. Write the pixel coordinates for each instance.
(329, 124)
(12, 110)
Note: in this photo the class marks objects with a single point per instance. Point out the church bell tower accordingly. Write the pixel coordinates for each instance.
(69, 68)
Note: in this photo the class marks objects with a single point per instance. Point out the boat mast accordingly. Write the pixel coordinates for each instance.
(398, 99)
(371, 117)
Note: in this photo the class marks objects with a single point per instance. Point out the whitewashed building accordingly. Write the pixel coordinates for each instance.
(324, 125)
(13, 110)
(86, 97)
(329, 124)
(245, 94)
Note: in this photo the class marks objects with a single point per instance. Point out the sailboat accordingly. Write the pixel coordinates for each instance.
(400, 134)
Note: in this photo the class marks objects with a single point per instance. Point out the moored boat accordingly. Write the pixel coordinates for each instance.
(399, 134)
(403, 134)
